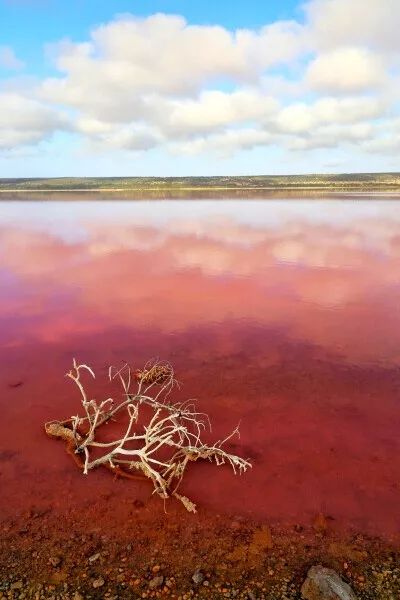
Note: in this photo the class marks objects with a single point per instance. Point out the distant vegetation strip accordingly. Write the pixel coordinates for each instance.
(345, 182)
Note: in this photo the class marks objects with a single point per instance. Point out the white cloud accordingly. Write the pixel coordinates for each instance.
(346, 70)
(304, 118)
(131, 137)
(387, 138)
(149, 74)
(372, 24)
(8, 59)
(331, 136)
(215, 109)
(140, 83)
(348, 110)
(296, 118)
(226, 143)
(132, 58)
(331, 122)
(24, 121)
(388, 145)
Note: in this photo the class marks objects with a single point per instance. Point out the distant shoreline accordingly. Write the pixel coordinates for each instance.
(361, 182)
(354, 189)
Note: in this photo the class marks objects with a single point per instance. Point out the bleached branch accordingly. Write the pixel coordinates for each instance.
(160, 448)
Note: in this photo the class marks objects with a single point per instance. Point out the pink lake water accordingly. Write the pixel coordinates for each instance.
(283, 315)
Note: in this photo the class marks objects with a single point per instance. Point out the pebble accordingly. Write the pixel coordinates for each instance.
(156, 582)
(94, 557)
(17, 585)
(198, 577)
(98, 582)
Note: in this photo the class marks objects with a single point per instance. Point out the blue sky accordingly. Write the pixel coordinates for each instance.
(188, 88)
(28, 23)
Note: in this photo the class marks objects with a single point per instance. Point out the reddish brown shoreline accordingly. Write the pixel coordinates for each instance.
(141, 552)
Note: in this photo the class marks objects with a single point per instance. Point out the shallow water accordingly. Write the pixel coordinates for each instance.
(283, 315)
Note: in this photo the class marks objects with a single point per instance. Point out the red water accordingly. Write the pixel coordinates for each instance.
(281, 315)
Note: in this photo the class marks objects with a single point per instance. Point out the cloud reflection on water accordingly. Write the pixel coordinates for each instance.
(325, 272)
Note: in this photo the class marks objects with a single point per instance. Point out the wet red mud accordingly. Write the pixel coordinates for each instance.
(290, 326)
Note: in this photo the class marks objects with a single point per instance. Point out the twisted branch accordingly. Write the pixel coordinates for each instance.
(160, 448)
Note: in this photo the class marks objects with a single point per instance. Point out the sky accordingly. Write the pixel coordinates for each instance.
(179, 87)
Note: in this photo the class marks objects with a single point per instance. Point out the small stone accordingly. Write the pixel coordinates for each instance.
(17, 585)
(198, 577)
(156, 582)
(251, 596)
(325, 584)
(94, 557)
(98, 582)
(55, 561)
(77, 596)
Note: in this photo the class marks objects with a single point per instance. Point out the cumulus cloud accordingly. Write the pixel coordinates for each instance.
(346, 70)
(214, 109)
(150, 94)
(331, 136)
(163, 54)
(24, 121)
(140, 83)
(131, 137)
(387, 138)
(8, 59)
(301, 117)
(227, 142)
(372, 24)
(328, 122)
(184, 117)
